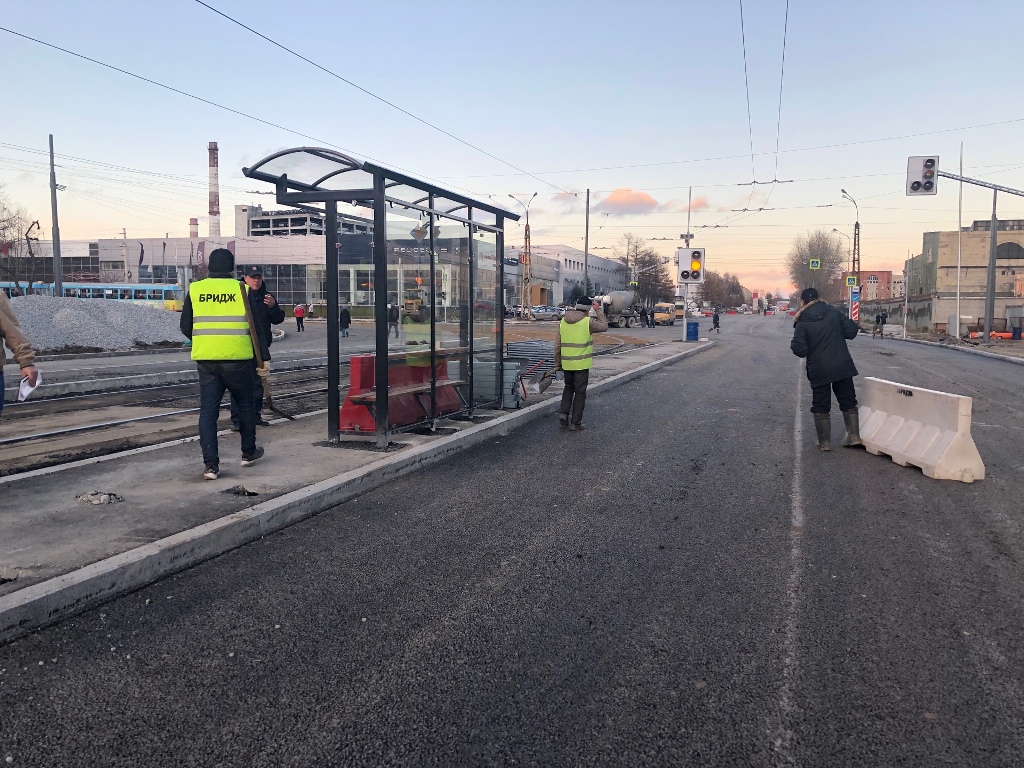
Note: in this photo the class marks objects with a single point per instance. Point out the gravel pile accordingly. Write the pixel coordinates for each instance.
(55, 324)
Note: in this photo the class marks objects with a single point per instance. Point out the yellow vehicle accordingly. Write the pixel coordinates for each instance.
(664, 314)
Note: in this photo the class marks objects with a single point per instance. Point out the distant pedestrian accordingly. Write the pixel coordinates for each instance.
(394, 319)
(12, 336)
(214, 318)
(885, 319)
(820, 335)
(876, 329)
(715, 322)
(643, 317)
(574, 353)
(300, 315)
(344, 321)
(265, 313)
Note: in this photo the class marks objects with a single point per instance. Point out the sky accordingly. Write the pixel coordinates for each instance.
(645, 104)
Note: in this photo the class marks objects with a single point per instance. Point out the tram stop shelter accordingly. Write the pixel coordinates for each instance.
(436, 256)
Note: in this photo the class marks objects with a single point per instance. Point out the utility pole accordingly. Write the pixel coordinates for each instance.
(990, 283)
(586, 250)
(124, 252)
(526, 300)
(58, 286)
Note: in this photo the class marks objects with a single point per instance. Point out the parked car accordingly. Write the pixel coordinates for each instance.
(547, 313)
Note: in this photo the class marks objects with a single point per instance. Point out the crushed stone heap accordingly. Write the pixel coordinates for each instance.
(55, 324)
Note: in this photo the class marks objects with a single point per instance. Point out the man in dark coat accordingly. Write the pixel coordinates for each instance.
(344, 320)
(265, 312)
(820, 335)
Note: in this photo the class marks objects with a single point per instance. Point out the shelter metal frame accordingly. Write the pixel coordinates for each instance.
(305, 176)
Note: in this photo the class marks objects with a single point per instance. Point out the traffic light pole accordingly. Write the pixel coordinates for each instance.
(990, 282)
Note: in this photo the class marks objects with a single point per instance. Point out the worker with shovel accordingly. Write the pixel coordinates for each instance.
(215, 316)
(574, 353)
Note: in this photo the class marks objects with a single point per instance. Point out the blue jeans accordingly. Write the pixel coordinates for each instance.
(257, 397)
(216, 376)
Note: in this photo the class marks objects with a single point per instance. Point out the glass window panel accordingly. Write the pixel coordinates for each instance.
(487, 315)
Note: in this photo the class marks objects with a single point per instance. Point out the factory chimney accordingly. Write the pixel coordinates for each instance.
(214, 194)
(193, 228)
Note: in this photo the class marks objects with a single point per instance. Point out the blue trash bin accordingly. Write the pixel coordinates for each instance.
(692, 330)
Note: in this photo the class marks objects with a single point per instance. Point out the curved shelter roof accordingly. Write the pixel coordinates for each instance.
(314, 174)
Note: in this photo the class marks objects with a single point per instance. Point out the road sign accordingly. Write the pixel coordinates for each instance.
(815, 264)
(851, 281)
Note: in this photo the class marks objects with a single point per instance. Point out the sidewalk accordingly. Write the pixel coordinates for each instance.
(60, 556)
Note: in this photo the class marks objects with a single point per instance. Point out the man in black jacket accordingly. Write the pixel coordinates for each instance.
(265, 312)
(820, 335)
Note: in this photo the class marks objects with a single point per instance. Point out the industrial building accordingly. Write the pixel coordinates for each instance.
(931, 278)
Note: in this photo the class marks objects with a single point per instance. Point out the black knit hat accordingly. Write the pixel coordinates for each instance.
(808, 295)
(221, 261)
(583, 303)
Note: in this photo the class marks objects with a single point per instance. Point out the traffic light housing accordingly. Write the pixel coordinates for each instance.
(691, 265)
(923, 175)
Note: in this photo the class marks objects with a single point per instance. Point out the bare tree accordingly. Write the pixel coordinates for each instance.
(647, 267)
(828, 250)
(15, 242)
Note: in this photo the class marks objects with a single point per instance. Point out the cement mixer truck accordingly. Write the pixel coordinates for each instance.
(622, 308)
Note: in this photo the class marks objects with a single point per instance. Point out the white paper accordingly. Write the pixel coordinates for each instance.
(27, 389)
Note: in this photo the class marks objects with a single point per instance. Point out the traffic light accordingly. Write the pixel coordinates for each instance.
(691, 265)
(922, 175)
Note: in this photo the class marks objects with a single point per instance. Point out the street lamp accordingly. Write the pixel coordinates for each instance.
(849, 291)
(525, 260)
(855, 257)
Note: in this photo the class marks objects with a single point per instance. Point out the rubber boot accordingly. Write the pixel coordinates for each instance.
(852, 419)
(823, 426)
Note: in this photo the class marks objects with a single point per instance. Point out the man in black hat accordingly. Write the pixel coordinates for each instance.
(574, 353)
(820, 335)
(265, 312)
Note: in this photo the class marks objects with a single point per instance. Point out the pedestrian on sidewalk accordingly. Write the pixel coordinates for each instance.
(214, 318)
(344, 320)
(300, 315)
(876, 329)
(394, 319)
(820, 335)
(265, 312)
(574, 354)
(12, 336)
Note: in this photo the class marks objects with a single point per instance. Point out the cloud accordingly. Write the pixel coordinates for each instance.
(628, 201)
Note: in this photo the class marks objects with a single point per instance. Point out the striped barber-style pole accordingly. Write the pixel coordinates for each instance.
(855, 306)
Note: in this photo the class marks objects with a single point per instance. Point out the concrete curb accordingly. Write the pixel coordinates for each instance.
(64, 596)
(106, 385)
(966, 350)
(94, 355)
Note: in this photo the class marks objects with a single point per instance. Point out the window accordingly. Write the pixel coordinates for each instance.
(94, 249)
(112, 265)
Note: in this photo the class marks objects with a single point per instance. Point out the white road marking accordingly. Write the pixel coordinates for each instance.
(783, 743)
(751, 331)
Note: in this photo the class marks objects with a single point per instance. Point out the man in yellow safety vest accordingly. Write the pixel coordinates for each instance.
(214, 318)
(574, 354)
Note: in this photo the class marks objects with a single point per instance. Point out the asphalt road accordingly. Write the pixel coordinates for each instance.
(688, 582)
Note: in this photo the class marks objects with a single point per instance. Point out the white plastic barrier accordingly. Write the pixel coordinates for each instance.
(929, 429)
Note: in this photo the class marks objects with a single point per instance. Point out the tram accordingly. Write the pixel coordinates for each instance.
(161, 296)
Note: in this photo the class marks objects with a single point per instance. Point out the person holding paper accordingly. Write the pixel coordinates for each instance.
(15, 341)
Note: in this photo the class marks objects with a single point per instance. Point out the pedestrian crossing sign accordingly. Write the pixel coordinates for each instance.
(815, 263)
(851, 281)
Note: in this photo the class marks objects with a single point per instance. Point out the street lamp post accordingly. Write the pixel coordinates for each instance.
(855, 259)
(849, 291)
(525, 260)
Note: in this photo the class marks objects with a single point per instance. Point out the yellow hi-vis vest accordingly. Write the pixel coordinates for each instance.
(220, 330)
(577, 345)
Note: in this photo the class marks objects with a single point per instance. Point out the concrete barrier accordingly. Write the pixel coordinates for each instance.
(922, 427)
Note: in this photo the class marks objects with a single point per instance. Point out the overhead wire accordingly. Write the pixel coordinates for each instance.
(373, 95)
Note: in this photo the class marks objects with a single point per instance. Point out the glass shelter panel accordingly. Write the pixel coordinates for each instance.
(486, 316)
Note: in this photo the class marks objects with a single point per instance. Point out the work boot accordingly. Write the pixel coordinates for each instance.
(823, 426)
(563, 419)
(852, 419)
